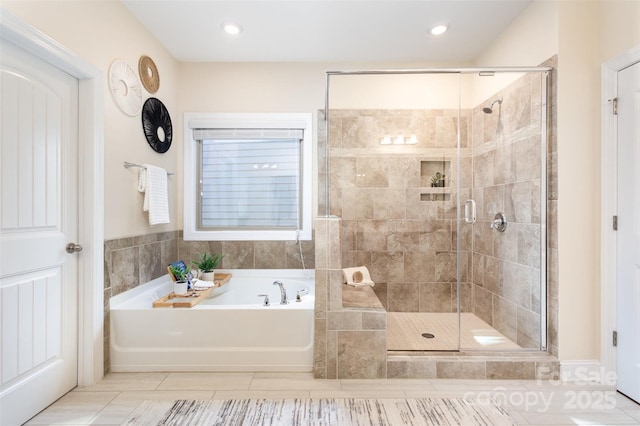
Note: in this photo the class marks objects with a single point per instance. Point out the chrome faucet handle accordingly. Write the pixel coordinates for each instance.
(266, 299)
(499, 222)
(301, 293)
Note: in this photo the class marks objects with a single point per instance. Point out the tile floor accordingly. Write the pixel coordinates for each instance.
(529, 402)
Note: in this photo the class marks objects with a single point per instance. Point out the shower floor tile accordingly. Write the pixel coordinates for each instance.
(405, 329)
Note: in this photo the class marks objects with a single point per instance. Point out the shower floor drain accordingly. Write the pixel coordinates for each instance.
(428, 335)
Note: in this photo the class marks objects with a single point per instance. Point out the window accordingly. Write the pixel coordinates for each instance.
(247, 177)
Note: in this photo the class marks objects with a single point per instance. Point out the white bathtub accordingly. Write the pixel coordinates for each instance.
(231, 331)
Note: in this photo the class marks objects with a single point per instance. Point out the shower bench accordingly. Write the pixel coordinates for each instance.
(360, 298)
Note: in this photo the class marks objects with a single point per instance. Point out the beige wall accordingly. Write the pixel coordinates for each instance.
(101, 32)
(590, 33)
(578, 181)
(584, 34)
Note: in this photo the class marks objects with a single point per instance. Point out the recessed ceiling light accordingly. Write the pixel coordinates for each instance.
(439, 29)
(231, 28)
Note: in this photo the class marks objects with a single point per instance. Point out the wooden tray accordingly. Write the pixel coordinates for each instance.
(188, 300)
(193, 297)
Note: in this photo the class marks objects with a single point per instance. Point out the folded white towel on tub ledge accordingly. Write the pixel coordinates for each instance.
(201, 285)
(357, 277)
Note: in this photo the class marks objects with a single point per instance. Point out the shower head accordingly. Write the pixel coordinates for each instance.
(489, 109)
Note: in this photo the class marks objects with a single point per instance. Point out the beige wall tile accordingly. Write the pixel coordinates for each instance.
(436, 297)
(269, 255)
(528, 158)
(518, 202)
(505, 317)
(436, 235)
(446, 267)
(411, 368)
(516, 284)
(511, 370)
(403, 297)
(335, 290)
(528, 236)
(460, 369)
(362, 354)
(321, 292)
(345, 320)
(386, 267)
(372, 172)
(374, 320)
(389, 204)
(483, 304)
(357, 203)
(419, 266)
(528, 328)
(505, 244)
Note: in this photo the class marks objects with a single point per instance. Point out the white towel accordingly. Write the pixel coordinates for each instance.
(202, 285)
(357, 277)
(153, 182)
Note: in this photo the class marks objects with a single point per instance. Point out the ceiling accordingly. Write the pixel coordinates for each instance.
(326, 30)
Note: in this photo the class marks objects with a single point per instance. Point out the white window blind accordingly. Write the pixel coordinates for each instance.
(249, 178)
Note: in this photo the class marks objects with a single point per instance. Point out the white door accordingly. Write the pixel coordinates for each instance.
(628, 235)
(38, 217)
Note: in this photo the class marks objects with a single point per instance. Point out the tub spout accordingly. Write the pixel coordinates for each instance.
(283, 293)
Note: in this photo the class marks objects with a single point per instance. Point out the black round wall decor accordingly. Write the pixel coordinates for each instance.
(156, 124)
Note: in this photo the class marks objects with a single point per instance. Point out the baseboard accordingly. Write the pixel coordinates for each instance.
(585, 371)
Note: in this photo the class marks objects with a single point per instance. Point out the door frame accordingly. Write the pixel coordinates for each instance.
(609, 200)
(90, 191)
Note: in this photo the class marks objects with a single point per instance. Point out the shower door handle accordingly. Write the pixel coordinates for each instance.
(470, 211)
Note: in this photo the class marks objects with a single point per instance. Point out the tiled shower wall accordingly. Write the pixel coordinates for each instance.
(393, 221)
(132, 261)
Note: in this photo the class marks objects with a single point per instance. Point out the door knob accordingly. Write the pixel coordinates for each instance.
(73, 248)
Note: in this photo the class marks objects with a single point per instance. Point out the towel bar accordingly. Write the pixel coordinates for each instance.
(127, 164)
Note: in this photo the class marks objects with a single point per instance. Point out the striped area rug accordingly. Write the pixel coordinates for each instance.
(309, 412)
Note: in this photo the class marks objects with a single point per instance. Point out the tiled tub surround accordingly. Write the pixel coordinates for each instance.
(132, 261)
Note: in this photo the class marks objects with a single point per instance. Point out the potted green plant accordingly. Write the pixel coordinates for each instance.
(437, 180)
(182, 276)
(207, 265)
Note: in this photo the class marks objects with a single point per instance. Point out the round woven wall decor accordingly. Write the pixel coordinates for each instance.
(156, 124)
(149, 74)
(125, 87)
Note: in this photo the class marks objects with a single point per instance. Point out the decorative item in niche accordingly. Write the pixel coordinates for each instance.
(156, 124)
(125, 87)
(149, 74)
(437, 180)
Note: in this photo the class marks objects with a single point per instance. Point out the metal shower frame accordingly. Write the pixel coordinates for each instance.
(543, 166)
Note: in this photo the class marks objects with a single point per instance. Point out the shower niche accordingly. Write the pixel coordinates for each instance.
(435, 180)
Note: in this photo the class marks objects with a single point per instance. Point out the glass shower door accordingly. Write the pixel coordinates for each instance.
(503, 302)
(393, 179)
